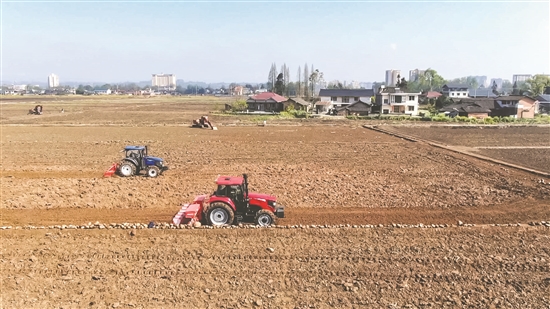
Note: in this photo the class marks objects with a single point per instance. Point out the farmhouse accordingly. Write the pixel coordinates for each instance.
(393, 100)
(296, 103)
(358, 108)
(504, 106)
(267, 102)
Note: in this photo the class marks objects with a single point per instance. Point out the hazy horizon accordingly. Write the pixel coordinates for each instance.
(216, 42)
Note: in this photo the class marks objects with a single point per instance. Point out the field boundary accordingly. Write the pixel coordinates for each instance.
(453, 149)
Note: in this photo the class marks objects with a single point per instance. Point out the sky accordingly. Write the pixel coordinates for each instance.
(237, 41)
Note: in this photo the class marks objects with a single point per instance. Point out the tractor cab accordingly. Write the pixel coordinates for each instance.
(136, 152)
(235, 188)
(137, 160)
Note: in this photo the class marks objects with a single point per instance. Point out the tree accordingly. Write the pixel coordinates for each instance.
(494, 87)
(537, 84)
(402, 83)
(428, 81)
(280, 84)
(239, 105)
(506, 86)
(299, 83)
(314, 79)
(272, 77)
(292, 89)
(515, 90)
(335, 85)
(306, 81)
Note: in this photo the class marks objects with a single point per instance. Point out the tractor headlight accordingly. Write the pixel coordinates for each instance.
(272, 203)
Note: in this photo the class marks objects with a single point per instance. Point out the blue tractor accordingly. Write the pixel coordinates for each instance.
(137, 160)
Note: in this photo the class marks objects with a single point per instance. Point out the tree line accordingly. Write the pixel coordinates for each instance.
(308, 80)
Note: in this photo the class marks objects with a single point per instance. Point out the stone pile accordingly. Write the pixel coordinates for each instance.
(197, 225)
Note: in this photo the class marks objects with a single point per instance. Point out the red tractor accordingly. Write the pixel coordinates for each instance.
(231, 203)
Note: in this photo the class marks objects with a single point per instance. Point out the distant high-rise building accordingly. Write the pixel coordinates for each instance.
(481, 81)
(391, 77)
(164, 81)
(53, 81)
(414, 74)
(520, 78)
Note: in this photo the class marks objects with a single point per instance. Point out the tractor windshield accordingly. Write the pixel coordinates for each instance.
(233, 191)
(136, 154)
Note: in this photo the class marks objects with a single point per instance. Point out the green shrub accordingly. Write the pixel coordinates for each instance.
(489, 120)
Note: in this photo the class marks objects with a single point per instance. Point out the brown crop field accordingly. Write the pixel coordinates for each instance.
(325, 171)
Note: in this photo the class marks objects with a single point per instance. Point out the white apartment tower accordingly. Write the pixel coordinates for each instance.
(391, 77)
(164, 81)
(53, 81)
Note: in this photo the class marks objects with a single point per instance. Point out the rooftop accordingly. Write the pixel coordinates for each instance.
(264, 96)
(346, 93)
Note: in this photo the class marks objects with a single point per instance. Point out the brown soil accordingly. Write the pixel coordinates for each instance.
(323, 171)
(314, 268)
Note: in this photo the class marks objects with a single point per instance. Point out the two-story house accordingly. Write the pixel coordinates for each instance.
(393, 100)
(516, 106)
(343, 97)
(453, 90)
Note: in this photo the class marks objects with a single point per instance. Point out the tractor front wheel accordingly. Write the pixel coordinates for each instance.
(153, 171)
(127, 169)
(265, 218)
(218, 214)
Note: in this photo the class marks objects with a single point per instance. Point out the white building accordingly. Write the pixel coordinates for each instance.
(53, 81)
(415, 74)
(392, 100)
(334, 98)
(391, 77)
(164, 81)
(453, 90)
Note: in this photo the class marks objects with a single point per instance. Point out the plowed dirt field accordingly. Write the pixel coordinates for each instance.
(323, 171)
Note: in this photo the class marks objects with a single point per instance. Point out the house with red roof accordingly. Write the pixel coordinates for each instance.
(266, 102)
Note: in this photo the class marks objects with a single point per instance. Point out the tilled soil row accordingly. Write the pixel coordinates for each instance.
(277, 268)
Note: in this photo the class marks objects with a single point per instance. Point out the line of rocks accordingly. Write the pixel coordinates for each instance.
(197, 225)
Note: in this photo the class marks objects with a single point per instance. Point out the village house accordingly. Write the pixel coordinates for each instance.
(453, 90)
(544, 103)
(393, 100)
(266, 102)
(517, 106)
(102, 91)
(358, 108)
(296, 103)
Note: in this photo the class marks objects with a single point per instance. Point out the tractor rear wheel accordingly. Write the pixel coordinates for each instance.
(127, 169)
(153, 171)
(265, 218)
(218, 214)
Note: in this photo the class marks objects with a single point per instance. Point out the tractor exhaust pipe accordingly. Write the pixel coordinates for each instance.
(245, 186)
